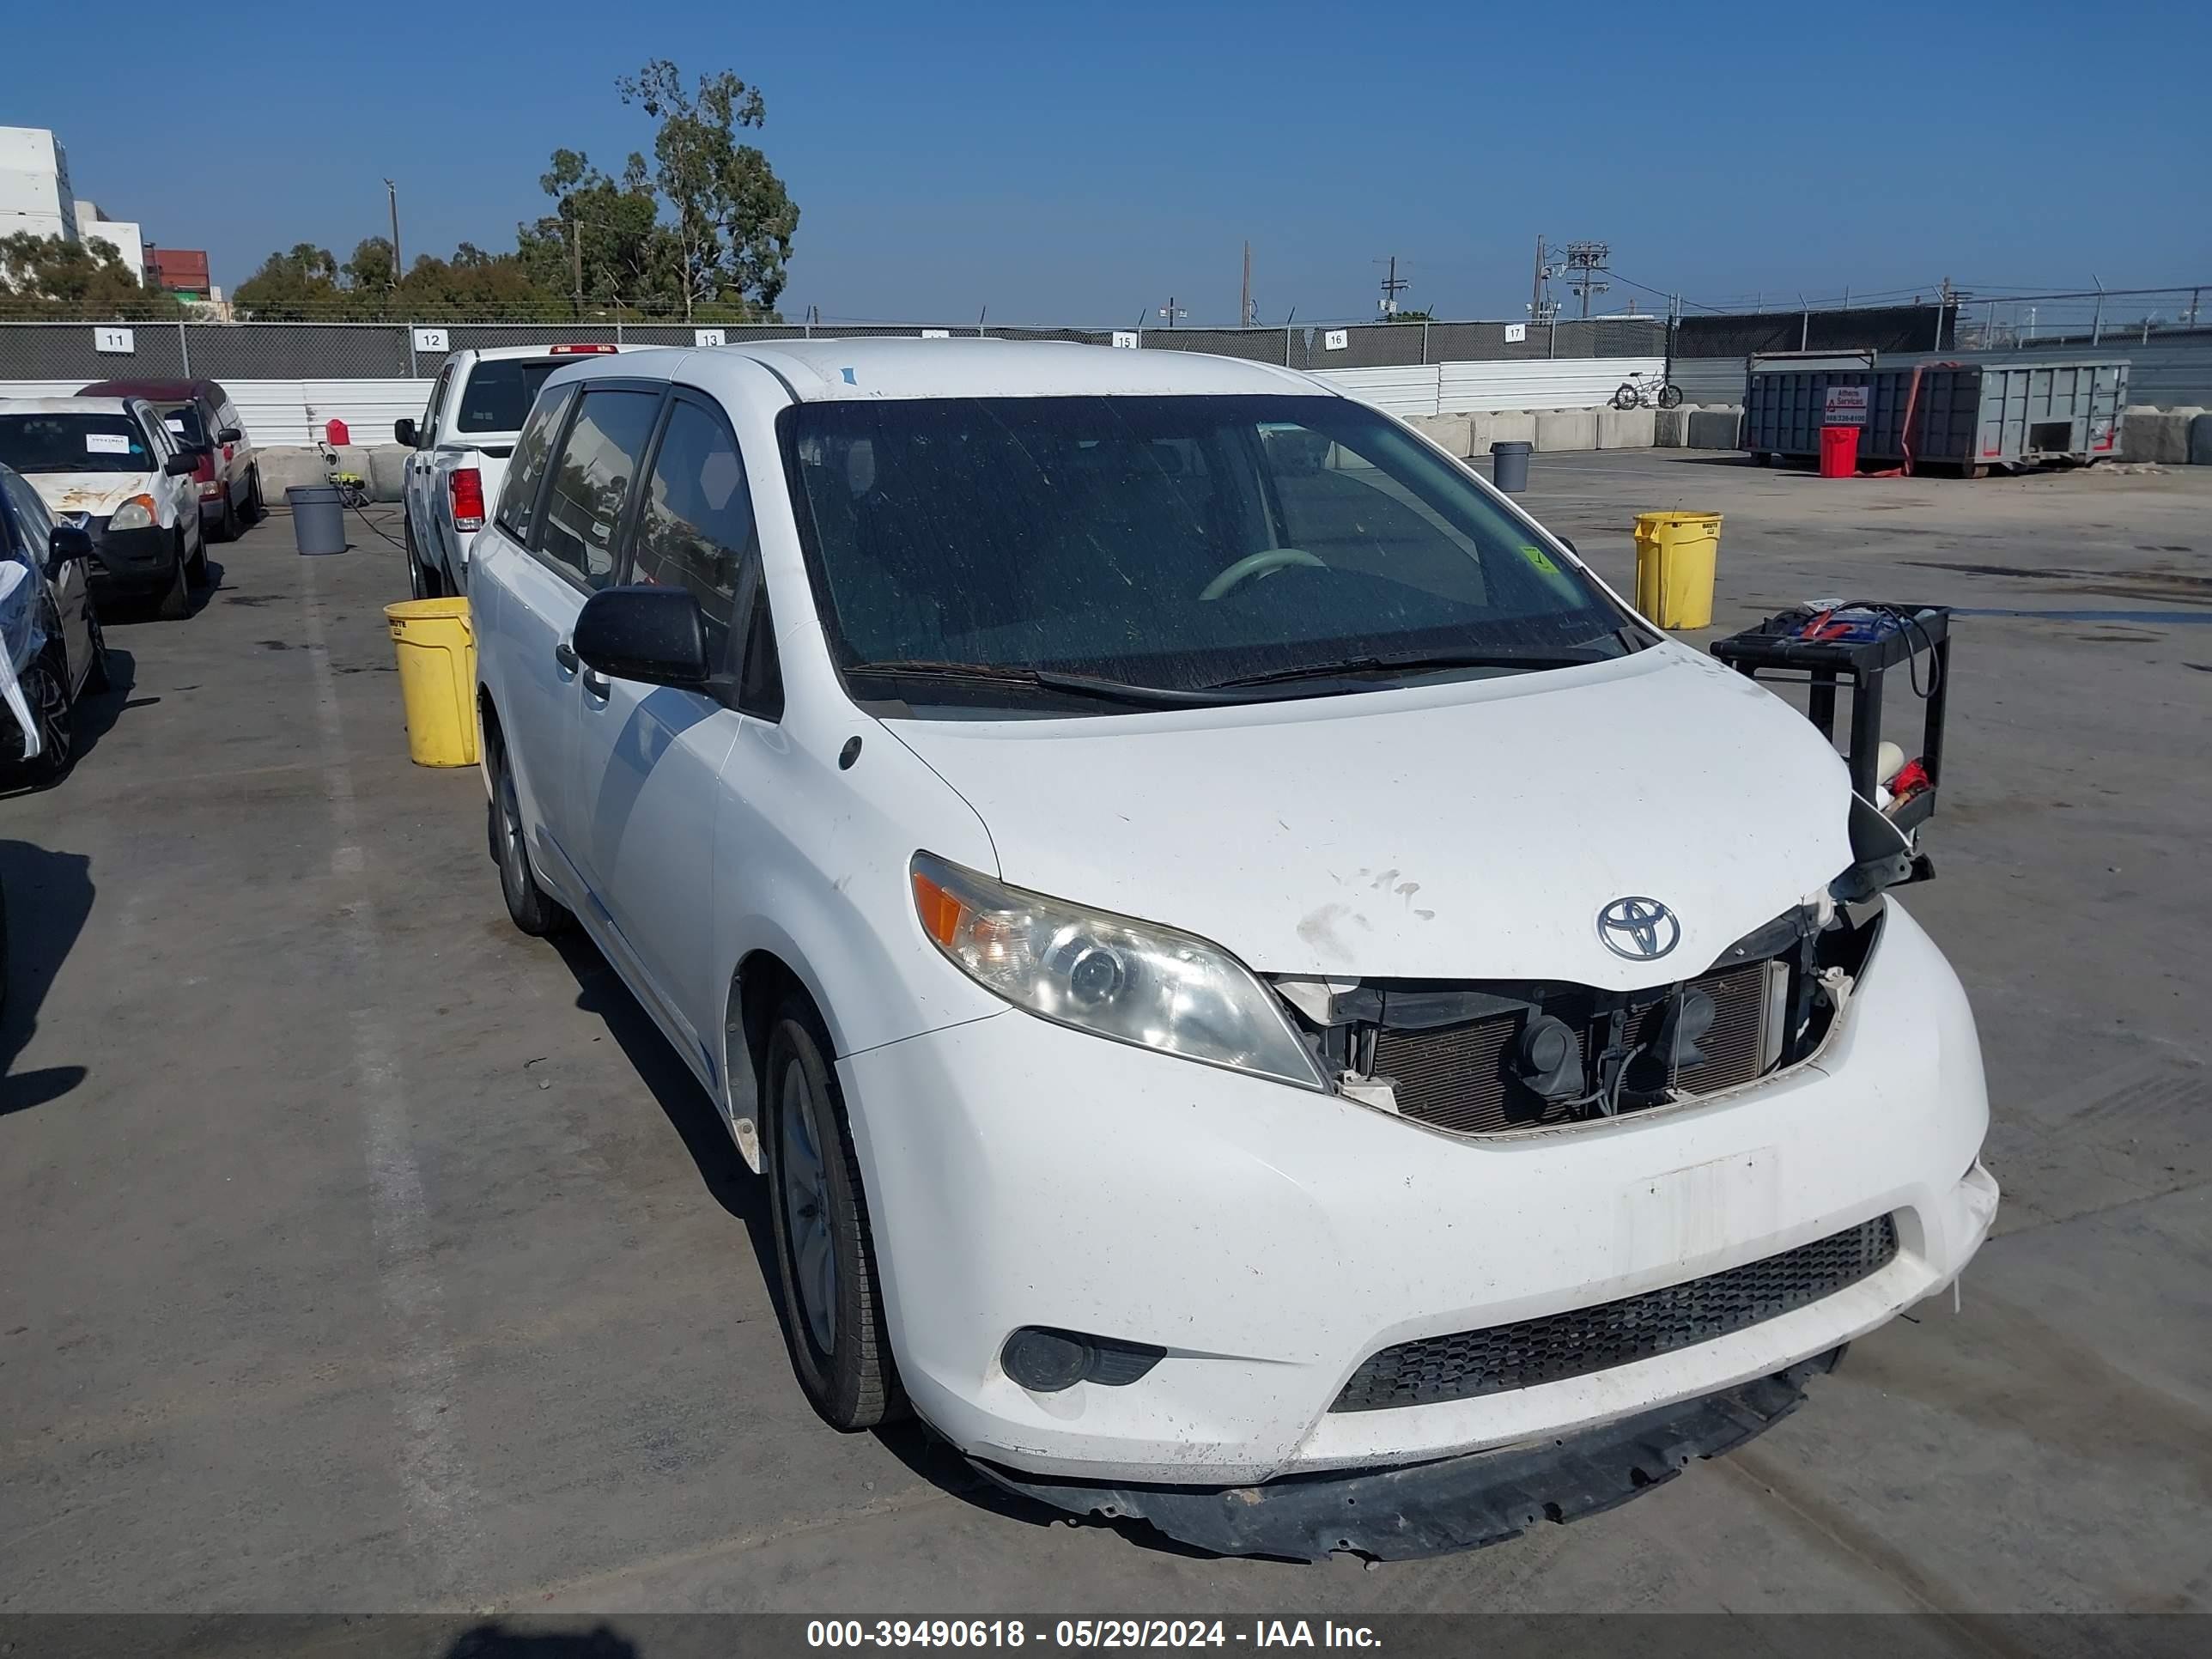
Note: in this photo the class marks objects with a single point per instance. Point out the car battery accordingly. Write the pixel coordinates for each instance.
(1825, 645)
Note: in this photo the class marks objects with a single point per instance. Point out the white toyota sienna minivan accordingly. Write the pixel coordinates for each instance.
(1268, 999)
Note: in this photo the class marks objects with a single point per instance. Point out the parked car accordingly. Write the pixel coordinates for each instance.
(1237, 956)
(53, 635)
(461, 447)
(111, 467)
(205, 420)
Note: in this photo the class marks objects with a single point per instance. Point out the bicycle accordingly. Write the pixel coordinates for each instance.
(1643, 391)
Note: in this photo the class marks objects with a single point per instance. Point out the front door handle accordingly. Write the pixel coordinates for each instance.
(597, 685)
(565, 654)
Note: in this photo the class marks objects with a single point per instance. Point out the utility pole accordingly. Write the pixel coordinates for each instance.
(1582, 258)
(1942, 305)
(1536, 286)
(1244, 304)
(1393, 286)
(391, 200)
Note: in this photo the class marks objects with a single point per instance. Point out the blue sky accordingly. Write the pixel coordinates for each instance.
(1082, 166)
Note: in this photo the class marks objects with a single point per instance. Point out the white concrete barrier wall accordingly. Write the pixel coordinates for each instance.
(277, 412)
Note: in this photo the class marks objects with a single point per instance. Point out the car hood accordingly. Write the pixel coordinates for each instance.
(1467, 830)
(96, 493)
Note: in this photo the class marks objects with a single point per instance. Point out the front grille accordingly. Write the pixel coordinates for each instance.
(1471, 1364)
(1461, 1078)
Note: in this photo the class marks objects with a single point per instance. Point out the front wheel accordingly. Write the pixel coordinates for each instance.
(97, 679)
(177, 601)
(53, 706)
(196, 569)
(1670, 396)
(833, 1303)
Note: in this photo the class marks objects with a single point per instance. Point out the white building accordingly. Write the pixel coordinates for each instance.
(130, 246)
(35, 184)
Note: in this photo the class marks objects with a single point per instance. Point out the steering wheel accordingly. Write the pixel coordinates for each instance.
(1258, 564)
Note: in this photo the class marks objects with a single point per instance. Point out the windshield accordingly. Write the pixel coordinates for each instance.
(183, 420)
(1183, 541)
(499, 393)
(74, 443)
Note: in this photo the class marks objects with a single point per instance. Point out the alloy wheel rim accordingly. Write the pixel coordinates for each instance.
(806, 1210)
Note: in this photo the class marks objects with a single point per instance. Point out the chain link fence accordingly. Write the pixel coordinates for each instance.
(90, 349)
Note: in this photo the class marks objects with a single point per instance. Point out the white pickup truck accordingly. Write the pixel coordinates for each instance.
(461, 447)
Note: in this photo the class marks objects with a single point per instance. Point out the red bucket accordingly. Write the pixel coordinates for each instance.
(1839, 452)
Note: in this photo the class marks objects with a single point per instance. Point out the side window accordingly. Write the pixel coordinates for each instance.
(592, 480)
(760, 681)
(695, 525)
(28, 523)
(159, 438)
(519, 493)
(426, 436)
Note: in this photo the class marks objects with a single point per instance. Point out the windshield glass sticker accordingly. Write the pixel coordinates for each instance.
(106, 443)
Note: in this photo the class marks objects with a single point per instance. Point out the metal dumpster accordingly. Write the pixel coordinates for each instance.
(1964, 417)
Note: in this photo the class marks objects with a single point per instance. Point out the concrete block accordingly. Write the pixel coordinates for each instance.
(2157, 436)
(1566, 428)
(1450, 430)
(1503, 426)
(1670, 428)
(1625, 429)
(1714, 428)
(2200, 440)
(382, 467)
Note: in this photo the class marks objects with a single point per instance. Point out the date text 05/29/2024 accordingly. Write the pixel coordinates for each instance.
(1085, 1633)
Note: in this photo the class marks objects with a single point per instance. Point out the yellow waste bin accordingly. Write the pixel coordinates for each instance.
(1675, 553)
(437, 679)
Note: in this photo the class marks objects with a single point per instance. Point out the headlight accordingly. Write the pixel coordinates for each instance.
(1131, 981)
(134, 515)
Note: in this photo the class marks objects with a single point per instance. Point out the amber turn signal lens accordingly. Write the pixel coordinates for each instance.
(939, 910)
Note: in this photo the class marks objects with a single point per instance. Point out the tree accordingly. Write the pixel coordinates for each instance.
(51, 275)
(605, 231)
(733, 220)
(300, 284)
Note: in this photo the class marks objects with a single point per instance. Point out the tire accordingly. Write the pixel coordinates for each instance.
(1625, 397)
(423, 583)
(196, 568)
(528, 906)
(232, 526)
(53, 706)
(97, 679)
(1670, 396)
(256, 509)
(177, 601)
(833, 1304)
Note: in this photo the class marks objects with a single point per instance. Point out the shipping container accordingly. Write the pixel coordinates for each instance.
(180, 270)
(1960, 416)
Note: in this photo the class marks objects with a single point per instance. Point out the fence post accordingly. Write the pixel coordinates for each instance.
(1286, 345)
(412, 372)
(184, 348)
(1424, 340)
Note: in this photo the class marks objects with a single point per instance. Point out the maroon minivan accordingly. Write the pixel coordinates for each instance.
(205, 421)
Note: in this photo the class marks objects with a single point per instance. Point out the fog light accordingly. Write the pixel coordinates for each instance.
(1048, 1361)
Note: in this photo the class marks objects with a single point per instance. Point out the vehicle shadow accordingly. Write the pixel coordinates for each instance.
(48, 897)
(94, 716)
(698, 1122)
(694, 1117)
(137, 612)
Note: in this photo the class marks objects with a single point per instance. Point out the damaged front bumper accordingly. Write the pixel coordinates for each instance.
(1456, 1503)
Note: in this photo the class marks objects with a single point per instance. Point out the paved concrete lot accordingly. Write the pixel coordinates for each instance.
(364, 1254)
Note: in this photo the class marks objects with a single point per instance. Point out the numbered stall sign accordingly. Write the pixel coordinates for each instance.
(708, 337)
(936, 334)
(1335, 339)
(1126, 338)
(119, 340)
(1516, 332)
(430, 339)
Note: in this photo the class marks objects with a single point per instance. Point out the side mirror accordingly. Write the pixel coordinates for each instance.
(1568, 541)
(183, 464)
(404, 431)
(654, 636)
(230, 434)
(65, 542)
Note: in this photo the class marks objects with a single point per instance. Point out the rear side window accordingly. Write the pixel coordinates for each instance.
(591, 481)
(499, 393)
(695, 525)
(519, 493)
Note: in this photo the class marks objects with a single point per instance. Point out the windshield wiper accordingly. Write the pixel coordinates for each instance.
(1045, 679)
(1360, 667)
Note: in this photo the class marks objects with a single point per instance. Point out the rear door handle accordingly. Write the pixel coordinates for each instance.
(597, 685)
(565, 654)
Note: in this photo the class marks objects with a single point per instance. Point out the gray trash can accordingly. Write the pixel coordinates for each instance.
(1508, 466)
(318, 518)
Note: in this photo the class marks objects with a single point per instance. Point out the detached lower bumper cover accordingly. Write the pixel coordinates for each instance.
(1456, 1503)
